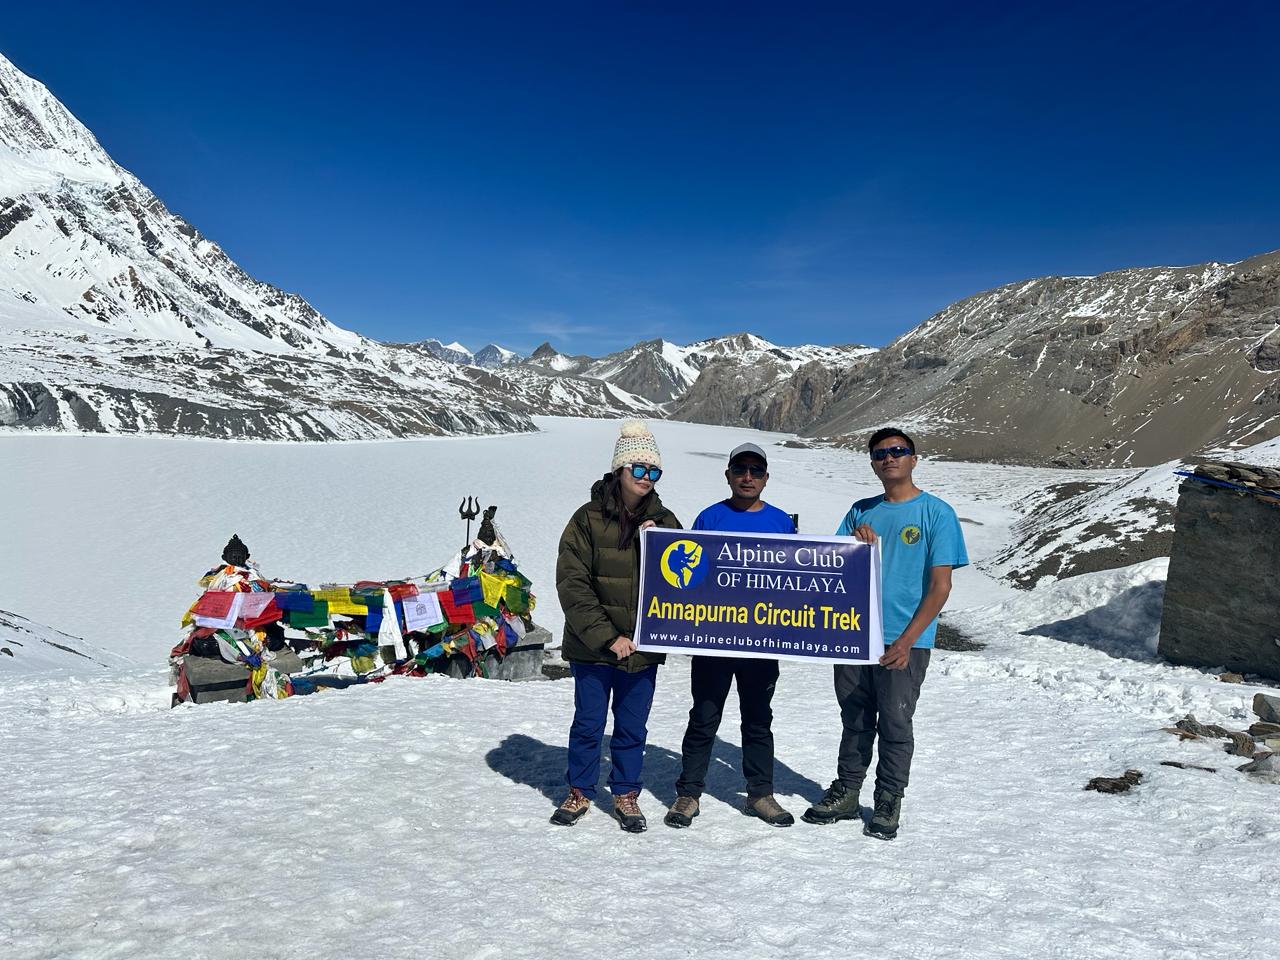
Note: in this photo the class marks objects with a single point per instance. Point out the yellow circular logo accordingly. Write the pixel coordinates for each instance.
(682, 565)
(910, 535)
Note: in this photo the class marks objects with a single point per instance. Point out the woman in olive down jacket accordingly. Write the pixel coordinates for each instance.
(598, 581)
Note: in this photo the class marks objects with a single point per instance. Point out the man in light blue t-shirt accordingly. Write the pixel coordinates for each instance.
(711, 677)
(921, 543)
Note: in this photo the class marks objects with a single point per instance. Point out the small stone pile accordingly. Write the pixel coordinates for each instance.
(1263, 479)
(1260, 744)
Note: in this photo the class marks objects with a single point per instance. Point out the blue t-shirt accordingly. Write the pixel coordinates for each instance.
(722, 516)
(915, 536)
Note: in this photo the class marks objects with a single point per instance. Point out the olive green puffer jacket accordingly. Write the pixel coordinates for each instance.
(599, 583)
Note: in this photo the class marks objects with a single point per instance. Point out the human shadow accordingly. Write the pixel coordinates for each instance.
(524, 759)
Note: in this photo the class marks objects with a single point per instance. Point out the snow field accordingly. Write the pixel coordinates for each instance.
(408, 819)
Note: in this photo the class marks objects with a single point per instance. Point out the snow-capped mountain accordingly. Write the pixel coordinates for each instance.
(1130, 368)
(452, 352)
(665, 372)
(490, 356)
(741, 377)
(86, 245)
(493, 356)
(116, 315)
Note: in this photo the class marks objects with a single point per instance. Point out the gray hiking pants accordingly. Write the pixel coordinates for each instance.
(877, 703)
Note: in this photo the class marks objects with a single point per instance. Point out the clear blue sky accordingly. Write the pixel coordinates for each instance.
(602, 172)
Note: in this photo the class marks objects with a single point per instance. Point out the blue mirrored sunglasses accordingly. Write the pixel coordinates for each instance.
(642, 471)
(896, 452)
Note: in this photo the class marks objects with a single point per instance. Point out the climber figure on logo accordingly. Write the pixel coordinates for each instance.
(681, 561)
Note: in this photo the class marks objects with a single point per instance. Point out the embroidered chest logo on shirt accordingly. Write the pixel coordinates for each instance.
(910, 535)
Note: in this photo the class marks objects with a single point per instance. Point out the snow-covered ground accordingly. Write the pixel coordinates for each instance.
(408, 819)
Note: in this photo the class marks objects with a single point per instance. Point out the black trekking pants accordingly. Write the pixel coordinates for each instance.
(876, 707)
(711, 679)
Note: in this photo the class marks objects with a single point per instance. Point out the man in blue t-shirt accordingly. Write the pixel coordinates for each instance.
(711, 677)
(921, 543)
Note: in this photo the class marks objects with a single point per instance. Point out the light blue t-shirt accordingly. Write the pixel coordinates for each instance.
(722, 516)
(915, 536)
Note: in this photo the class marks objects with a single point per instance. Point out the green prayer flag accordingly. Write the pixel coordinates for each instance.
(317, 616)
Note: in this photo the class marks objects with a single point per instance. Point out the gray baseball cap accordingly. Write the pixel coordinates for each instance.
(745, 448)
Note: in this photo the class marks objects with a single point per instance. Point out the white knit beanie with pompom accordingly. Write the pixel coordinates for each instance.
(635, 445)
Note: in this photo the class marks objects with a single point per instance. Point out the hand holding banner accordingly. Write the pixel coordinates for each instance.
(759, 595)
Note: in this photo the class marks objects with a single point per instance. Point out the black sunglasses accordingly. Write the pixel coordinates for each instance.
(896, 452)
(742, 469)
(642, 471)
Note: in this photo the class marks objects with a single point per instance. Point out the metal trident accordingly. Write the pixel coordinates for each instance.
(468, 510)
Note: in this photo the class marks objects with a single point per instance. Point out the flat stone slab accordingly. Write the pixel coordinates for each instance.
(213, 680)
(522, 662)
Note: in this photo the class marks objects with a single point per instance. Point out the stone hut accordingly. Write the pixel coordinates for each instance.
(1222, 598)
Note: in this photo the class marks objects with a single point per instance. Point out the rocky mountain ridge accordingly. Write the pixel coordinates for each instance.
(1128, 368)
(665, 372)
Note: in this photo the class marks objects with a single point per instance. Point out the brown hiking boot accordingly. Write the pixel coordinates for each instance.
(627, 809)
(682, 812)
(769, 810)
(572, 810)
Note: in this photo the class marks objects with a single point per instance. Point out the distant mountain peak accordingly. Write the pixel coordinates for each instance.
(451, 352)
(493, 356)
(544, 351)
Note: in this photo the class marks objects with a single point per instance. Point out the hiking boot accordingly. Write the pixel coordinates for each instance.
(572, 810)
(682, 812)
(769, 810)
(627, 810)
(838, 803)
(884, 822)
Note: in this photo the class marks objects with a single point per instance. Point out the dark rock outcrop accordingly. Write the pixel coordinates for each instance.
(1222, 592)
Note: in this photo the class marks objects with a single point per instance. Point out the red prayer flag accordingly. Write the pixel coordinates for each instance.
(215, 604)
(402, 591)
(455, 612)
(469, 649)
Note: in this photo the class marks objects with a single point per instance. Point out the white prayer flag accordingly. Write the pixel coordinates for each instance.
(389, 634)
(422, 611)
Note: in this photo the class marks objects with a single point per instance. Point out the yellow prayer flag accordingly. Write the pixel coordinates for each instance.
(347, 607)
(492, 587)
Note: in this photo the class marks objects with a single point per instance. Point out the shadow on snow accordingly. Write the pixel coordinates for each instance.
(523, 759)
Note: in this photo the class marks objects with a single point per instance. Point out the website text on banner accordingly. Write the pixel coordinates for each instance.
(759, 595)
